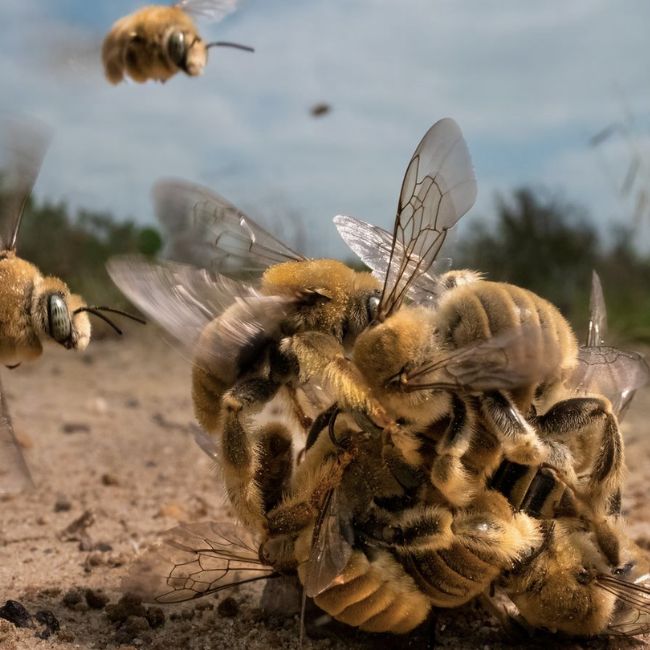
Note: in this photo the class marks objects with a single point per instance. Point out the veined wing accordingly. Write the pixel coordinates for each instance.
(208, 231)
(183, 300)
(212, 10)
(632, 616)
(439, 187)
(610, 372)
(373, 246)
(22, 151)
(14, 473)
(195, 560)
(330, 551)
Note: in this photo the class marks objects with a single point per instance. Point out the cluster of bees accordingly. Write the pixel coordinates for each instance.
(400, 439)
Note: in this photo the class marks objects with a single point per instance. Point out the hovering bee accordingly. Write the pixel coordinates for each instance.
(35, 309)
(158, 41)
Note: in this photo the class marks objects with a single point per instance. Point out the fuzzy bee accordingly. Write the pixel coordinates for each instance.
(158, 41)
(35, 310)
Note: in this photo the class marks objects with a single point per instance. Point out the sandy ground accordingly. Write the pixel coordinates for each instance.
(110, 432)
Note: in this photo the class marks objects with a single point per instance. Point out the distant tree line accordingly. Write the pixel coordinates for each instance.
(536, 241)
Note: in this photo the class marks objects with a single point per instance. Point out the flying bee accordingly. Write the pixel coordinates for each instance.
(158, 41)
(36, 309)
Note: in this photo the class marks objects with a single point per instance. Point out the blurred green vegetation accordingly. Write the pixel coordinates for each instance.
(76, 248)
(548, 245)
(535, 240)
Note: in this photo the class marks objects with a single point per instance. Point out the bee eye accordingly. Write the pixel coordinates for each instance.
(176, 48)
(58, 318)
(373, 307)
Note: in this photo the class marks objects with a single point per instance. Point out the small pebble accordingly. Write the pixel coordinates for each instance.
(75, 427)
(62, 505)
(96, 599)
(16, 613)
(50, 622)
(155, 617)
(109, 479)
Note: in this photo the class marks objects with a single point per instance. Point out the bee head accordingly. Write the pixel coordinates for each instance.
(186, 50)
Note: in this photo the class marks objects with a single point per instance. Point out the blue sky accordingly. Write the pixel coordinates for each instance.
(528, 83)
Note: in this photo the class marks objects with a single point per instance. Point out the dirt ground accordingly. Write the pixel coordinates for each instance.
(110, 432)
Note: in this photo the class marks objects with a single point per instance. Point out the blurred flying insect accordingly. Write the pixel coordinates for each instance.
(34, 309)
(158, 41)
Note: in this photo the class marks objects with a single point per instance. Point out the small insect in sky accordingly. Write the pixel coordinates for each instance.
(158, 41)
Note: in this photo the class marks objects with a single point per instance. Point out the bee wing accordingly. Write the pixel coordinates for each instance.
(330, 551)
(439, 187)
(633, 610)
(14, 473)
(194, 560)
(597, 313)
(502, 362)
(613, 373)
(212, 10)
(208, 231)
(22, 149)
(183, 300)
(373, 246)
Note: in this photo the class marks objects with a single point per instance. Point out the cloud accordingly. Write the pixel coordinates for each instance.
(528, 83)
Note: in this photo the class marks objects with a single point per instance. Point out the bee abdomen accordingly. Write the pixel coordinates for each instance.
(376, 595)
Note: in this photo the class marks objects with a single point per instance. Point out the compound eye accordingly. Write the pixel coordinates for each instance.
(58, 318)
(176, 48)
(373, 307)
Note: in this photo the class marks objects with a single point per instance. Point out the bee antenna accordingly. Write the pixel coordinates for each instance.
(238, 46)
(96, 311)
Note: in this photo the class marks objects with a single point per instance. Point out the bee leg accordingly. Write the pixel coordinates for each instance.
(252, 456)
(587, 426)
(448, 473)
(521, 443)
(320, 355)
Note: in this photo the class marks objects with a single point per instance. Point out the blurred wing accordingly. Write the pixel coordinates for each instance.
(439, 187)
(213, 10)
(330, 551)
(14, 473)
(22, 150)
(183, 300)
(208, 231)
(502, 362)
(613, 373)
(373, 246)
(597, 313)
(195, 560)
(633, 604)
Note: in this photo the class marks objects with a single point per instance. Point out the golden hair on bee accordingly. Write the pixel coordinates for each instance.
(157, 41)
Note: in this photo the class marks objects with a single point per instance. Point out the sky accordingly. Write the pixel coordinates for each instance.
(529, 84)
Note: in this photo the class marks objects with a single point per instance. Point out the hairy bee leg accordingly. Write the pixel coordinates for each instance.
(588, 425)
(448, 473)
(246, 459)
(521, 442)
(320, 355)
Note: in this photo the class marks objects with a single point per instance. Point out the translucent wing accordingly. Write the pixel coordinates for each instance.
(503, 362)
(183, 300)
(330, 551)
(373, 246)
(597, 313)
(213, 10)
(611, 372)
(195, 560)
(438, 189)
(22, 150)
(208, 231)
(603, 369)
(632, 616)
(14, 473)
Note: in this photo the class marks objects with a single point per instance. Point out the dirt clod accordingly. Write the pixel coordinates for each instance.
(50, 623)
(128, 605)
(75, 427)
(156, 617)
(96, 599)
(16, 613)
(228, 607)
(73, 598)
